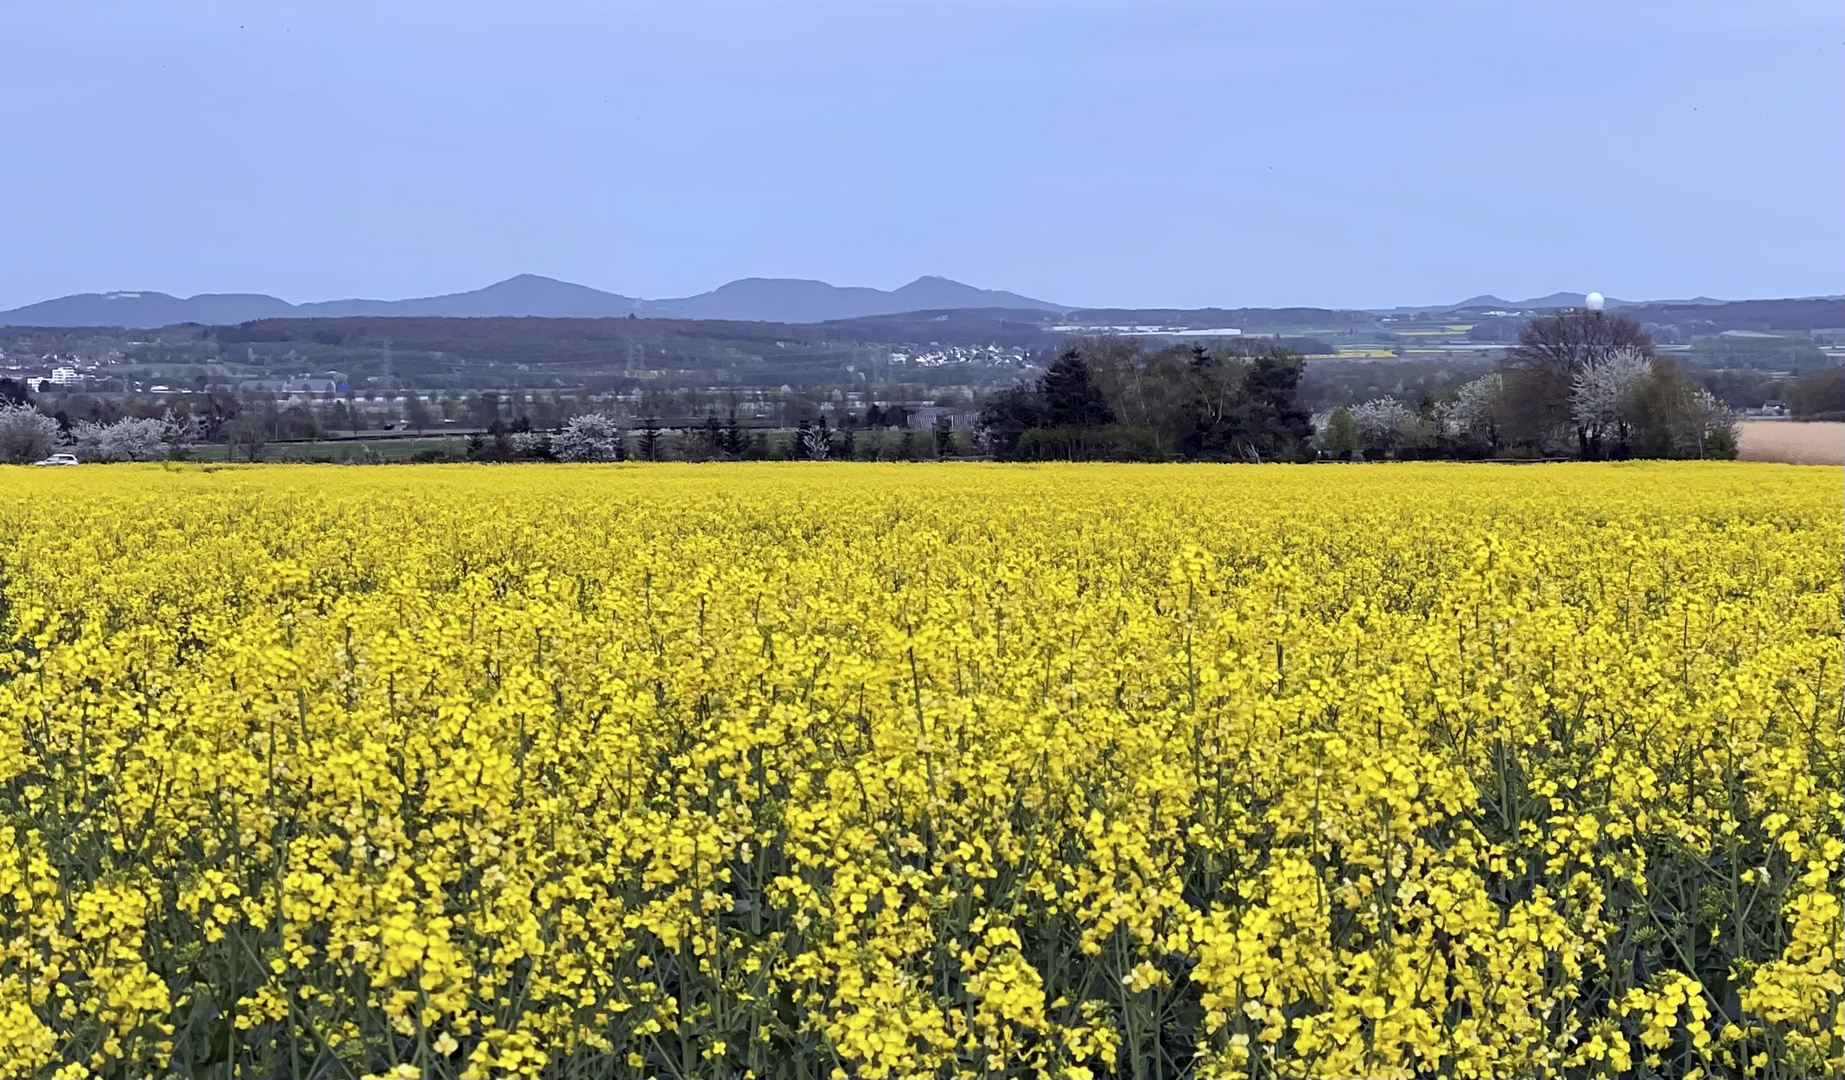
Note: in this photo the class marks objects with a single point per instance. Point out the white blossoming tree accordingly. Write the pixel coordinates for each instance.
(530, 444)
(1474, 414)
(181, 432)
(1711, 427)
(1602, 394)
(26, 434)
(591, 437)
(817, 444)
(125, 440)
(1387, 424)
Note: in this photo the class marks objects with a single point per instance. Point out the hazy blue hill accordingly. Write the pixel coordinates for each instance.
(798, 300)
(927, 300)
(524, 295)
(1565, 300)
(1535, 303)
(940, 293)
(784, 300)
(772, 300)
(1561, 300)
(144, 309)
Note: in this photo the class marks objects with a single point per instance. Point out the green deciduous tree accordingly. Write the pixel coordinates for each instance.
(1340, 439)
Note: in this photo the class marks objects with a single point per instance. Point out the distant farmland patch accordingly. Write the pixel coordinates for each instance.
(1799, 443)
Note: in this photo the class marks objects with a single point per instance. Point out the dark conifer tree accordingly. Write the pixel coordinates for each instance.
(733, 436)
(1279, 424)
(1071, 396)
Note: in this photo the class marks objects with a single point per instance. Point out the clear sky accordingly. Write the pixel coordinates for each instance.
(1084, 152)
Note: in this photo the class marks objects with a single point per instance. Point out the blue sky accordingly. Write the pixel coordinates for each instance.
(1085, 152)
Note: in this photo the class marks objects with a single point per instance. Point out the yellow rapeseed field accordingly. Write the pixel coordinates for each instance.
(867, 771)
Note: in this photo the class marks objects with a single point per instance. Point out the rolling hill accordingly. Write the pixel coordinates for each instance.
(784, 300)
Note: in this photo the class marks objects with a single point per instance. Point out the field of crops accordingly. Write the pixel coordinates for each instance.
(861, 770)
(1794, 442)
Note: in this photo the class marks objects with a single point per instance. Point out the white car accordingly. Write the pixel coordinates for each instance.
(58, 459)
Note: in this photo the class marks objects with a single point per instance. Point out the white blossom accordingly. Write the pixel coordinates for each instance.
(1708, 416)
(180, 430)
(591, 437)
(1474, 412)
(1601, 392)
(527, 443)
(818, 443)
(1387, 424)
(124, 440)
(26, 434)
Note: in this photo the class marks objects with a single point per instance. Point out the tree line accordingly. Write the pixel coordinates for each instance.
(1578, 384)
(1111, 399)
(1581, 384)
(881, 434)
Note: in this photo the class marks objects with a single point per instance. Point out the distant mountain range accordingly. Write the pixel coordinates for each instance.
(1567, 300)
(774, 300)
(788, 300)
(1489, 302)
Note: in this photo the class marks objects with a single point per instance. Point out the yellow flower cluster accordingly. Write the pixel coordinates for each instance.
(876, 771)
